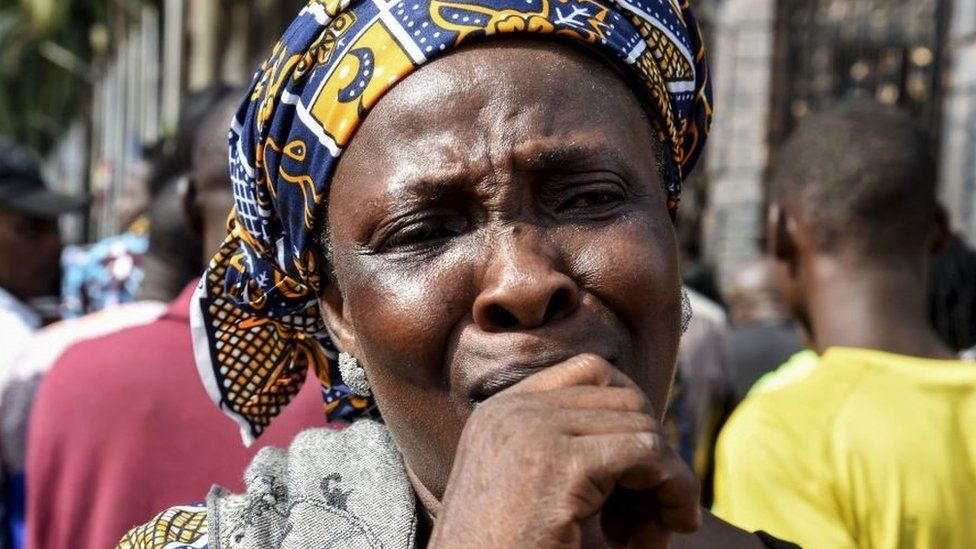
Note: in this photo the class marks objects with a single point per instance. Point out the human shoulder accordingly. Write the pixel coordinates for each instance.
(758, 430)
(15, 329)
(808, 390)
(770, 469)
(924, 389)
(16, 315)
(112, 342)
(102, 373)
(14, 324)
(347, 485)
(14, 333)
(797, 367)
(781, 431)
(782, 399)
(48, 344)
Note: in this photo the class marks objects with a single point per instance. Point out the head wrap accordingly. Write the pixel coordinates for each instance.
(255, 317)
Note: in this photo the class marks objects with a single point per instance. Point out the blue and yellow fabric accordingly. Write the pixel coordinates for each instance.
(255, 316)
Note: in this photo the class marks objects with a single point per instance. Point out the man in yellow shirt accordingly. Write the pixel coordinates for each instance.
(876, 446)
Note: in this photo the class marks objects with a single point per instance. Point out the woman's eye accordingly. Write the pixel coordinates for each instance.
(426, 232)
(595, 200)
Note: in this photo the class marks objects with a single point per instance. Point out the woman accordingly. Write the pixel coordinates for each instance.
(491, 249)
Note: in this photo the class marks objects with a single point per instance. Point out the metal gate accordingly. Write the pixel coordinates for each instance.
(890, 50)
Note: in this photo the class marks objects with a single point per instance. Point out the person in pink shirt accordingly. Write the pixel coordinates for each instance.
(121, 425)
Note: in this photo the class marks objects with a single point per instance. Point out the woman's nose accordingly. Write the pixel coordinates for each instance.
(524, 289)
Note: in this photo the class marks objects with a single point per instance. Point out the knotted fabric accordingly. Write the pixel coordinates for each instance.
(255, 317)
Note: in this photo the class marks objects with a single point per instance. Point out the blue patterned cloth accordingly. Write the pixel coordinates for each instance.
(255, 317)
(103, 275)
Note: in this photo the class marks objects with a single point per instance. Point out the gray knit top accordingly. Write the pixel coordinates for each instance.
(331, 488)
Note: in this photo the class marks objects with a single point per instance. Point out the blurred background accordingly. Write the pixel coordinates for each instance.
(92, 86)
(109, 98)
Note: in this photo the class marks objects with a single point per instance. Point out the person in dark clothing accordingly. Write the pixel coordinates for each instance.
(763, 335)
(952, 295)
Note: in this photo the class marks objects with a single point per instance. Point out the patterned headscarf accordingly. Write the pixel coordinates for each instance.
(255, 316)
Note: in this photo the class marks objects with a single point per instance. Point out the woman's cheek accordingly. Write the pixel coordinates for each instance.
(636, 277)
(405, 312)
(632, 267)
(403, 318)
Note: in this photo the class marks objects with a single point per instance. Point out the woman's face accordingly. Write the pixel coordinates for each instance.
(499, 211)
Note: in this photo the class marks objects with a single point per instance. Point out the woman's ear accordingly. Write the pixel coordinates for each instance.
(332, 309)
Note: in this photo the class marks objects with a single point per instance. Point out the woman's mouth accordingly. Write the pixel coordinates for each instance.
(491, 380)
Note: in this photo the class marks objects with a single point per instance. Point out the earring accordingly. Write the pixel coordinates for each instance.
(353, 375)
(686, 312)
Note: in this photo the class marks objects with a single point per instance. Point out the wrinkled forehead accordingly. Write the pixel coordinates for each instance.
(510, 100)
(558, 66)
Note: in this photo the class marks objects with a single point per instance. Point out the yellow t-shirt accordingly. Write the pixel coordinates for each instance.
(794, 369)
(871, 450)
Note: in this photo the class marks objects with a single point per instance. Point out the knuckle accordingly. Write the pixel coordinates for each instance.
(649, 443)
(634, 399)
(644, 423)
(595, 365)
(510, 417)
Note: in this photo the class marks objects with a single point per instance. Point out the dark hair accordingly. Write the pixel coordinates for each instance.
(173, 156)
(952, 294)
(210, 151)
(17, 163)
(169, 235)
(862, 176)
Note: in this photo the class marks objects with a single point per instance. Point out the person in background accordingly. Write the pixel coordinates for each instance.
(876, 447)
(144, 262)
(121, 426)
(30, 245)
(952, 296)
(109, 272)
(173, 258)
(702, 395)
(18, 382)
(763, 335)
(171, 261)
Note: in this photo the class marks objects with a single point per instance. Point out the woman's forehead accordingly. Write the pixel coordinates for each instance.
(562, 69)
(427, 174)
(528, 94)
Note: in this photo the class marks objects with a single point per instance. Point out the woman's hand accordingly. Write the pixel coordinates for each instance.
(569, 443)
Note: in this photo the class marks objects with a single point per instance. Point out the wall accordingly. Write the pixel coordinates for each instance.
(742, 64)
(958, 168)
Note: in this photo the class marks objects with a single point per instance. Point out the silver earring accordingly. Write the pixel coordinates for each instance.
(353, 375)
(686, 312)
